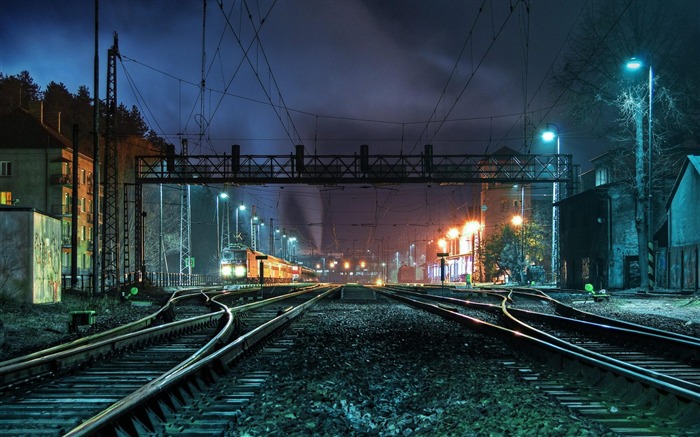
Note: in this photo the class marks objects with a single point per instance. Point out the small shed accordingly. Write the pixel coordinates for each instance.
(30, 255)
(683, 226)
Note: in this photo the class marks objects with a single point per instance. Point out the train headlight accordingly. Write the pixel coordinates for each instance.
(226, 271)
(239, 271)
(380, 282)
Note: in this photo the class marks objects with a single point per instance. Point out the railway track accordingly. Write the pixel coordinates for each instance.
(635, 380)
(99, 385)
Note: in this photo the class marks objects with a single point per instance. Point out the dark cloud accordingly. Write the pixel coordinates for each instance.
(331, 74)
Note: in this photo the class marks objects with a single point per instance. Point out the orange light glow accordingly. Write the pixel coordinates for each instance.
(472, 227)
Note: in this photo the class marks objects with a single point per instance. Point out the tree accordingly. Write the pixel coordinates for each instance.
(511, 249)
(606, 100)
(17, 91)
(130, 122)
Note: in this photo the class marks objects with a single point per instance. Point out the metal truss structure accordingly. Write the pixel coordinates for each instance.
(110, 235)
(354, 169)
(297, 168)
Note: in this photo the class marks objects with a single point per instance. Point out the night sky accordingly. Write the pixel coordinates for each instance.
(329, 74)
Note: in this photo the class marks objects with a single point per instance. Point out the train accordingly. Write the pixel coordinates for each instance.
(240, 265)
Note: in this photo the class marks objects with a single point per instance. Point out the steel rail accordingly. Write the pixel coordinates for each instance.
(134, 326)
(132, 414)
(555, 352)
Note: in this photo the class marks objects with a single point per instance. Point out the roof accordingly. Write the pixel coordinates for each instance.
(505, 150)
(21, 130)
(692, 161)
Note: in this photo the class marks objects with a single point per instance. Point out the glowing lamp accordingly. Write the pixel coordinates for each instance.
(239, 271)
(226, 271)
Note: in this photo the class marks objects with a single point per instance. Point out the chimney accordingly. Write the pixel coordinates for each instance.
(41, 112)
(58, 127)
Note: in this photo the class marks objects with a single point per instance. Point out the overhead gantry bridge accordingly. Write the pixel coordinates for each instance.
(362, 168)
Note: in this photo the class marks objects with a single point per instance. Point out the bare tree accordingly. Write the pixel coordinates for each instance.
(611, 102)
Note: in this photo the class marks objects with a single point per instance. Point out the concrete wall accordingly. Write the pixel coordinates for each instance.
(30, 256)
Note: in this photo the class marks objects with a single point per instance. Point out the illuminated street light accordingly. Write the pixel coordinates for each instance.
(635, 64)
(241, 207)
(472, 228)
(518, 220)
(453, 234)
(549, 135)
(219, 230)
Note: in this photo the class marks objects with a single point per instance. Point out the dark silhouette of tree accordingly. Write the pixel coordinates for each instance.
(18, 91)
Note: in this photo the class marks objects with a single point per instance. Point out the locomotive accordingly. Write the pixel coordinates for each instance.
(240, 264)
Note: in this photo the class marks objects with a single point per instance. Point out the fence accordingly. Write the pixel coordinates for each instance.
(157, 279)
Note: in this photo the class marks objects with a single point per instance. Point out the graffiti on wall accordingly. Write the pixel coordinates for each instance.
(47, 260)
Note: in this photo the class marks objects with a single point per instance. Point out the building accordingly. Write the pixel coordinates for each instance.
(36, 171)
(599, 242)
(677, 265)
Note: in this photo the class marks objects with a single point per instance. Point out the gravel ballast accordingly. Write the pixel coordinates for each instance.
(375, 368)
(389, 370)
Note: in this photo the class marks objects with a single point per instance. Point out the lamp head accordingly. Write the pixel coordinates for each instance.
(634, 64)
(548, 135)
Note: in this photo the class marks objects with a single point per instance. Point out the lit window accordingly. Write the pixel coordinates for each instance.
(602, 176)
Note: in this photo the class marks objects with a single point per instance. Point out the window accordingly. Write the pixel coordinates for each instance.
(5, 168)
(82, 204)
(83, 233)
(602, 176)
(83, 177)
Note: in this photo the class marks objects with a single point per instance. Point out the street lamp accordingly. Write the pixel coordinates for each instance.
(292, 253)
(518, 220)
(453, 234)
(219, 239)
(472, 228)
(241, 207)
(635, 64)
(549, 135)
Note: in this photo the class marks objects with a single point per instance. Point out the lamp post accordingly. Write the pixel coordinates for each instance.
(635, 64)
(472, 228)
(291, 250)
(219, 231)
(241, 207)
(549, 135)
(519, 221)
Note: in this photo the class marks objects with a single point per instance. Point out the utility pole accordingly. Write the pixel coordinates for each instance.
(96, 163)
(110, 224)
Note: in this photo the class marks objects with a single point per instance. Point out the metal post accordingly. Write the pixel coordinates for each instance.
(650, 215)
